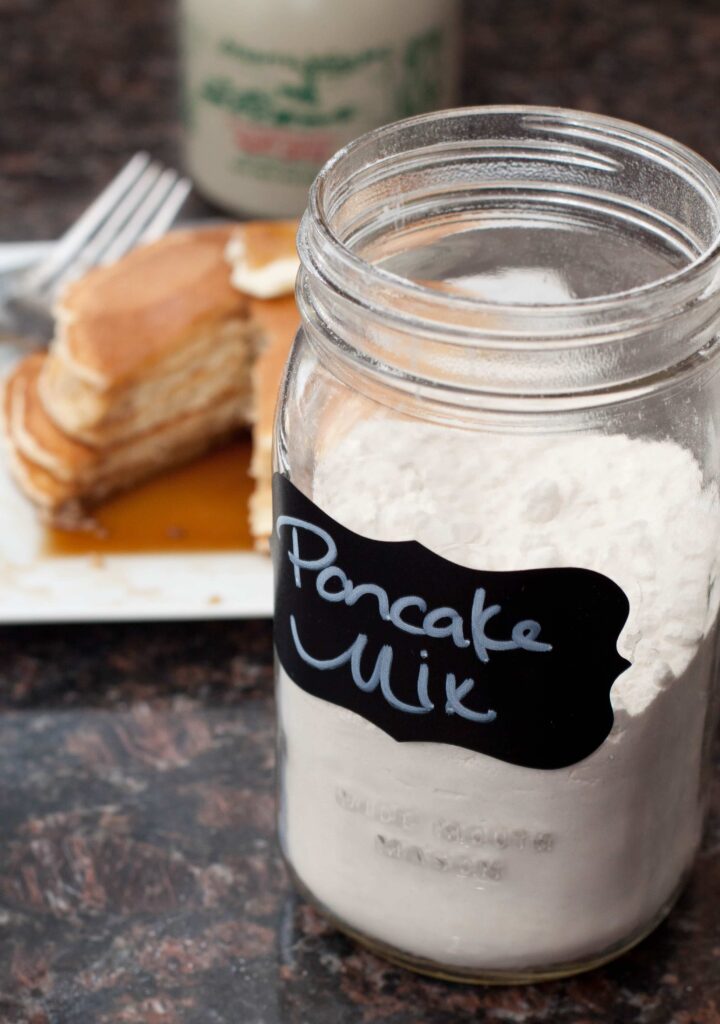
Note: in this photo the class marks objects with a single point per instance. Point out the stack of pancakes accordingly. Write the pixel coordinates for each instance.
(156, 359)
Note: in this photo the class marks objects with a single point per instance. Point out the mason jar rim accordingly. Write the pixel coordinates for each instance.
(337, 286)
(616, 127)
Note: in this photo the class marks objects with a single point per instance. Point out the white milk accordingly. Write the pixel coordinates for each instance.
(272, 89)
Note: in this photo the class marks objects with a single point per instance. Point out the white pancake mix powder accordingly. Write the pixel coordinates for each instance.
(457, 857)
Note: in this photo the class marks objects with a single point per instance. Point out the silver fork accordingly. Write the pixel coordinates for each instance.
(138, 205)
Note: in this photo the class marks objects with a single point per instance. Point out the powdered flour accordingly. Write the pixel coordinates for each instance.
(458, 858)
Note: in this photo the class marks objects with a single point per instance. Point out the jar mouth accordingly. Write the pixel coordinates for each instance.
(634, 196)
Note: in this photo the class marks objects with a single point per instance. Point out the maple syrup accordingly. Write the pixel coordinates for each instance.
(201, 506)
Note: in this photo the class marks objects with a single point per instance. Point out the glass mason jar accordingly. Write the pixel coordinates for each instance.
(496, 538)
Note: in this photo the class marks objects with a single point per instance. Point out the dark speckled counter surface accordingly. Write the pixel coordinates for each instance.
(139, 876)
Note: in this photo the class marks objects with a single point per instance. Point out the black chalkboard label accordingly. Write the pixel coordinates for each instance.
(517, 665)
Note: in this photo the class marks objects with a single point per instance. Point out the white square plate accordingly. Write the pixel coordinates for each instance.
(35, 587)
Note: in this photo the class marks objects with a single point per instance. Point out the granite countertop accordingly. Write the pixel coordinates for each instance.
(139, 876)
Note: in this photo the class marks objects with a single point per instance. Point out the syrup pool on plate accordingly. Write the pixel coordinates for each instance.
(201, 506)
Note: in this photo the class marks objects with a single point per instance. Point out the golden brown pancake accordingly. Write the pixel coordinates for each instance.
(117, 320)
(278, 320)
(264, 264)
(157, 334)
(64, 476)
(156, 359)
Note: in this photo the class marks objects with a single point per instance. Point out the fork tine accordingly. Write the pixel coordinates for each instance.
(76, 236)
(161, 202)
(168, 211)
(91, 254)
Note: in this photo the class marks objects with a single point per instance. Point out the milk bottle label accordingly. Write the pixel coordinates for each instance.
(287, 114)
